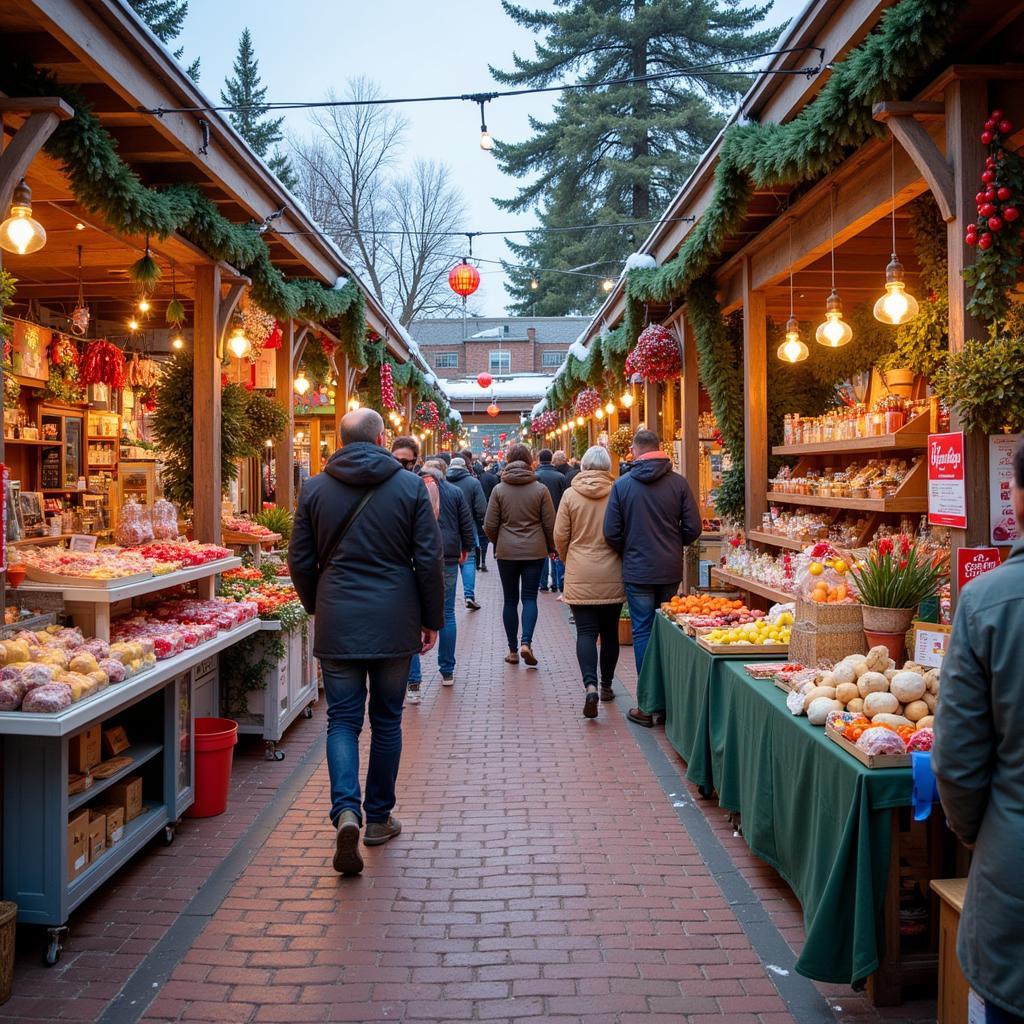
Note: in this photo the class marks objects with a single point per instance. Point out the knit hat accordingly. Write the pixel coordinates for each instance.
(458, 463)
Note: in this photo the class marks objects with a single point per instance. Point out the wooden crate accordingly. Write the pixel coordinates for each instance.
(869, 760)
(782, 650)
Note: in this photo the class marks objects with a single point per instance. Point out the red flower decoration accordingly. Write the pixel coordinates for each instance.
(588, 401)
(656, 356)
(885, 546)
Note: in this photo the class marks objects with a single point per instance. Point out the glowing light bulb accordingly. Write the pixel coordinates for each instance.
(486, 142)
(144, 306)
(133, 324)
(238, 344)
(599, 414)
(580, 421)
(353, 404)
(177, 343)
(607, 284)
(793, 350)
(301, 383)
(21, 233)
(626, 399)
(834, 331)
(609, 407)
(896, 306)
(534, 284)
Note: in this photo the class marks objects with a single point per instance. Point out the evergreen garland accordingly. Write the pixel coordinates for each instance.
(11, 387)
(109, 188)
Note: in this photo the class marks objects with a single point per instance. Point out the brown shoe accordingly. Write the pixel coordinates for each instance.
(378, 832)
(645, 719)
(346, 845)
(607, 693)
(512, 658)
(526, 653)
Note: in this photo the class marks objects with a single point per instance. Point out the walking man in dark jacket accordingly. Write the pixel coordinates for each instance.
(489, 479)
(557, 483)
(456, 525)
(978, 762)
(459, 475)
(651, 518)
(365, 557)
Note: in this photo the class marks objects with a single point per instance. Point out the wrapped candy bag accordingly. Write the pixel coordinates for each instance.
(879, 740)
(164, 519)
(133, 525)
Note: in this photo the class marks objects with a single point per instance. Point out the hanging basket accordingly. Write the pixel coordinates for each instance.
(544, 422)
(588, 401)
(656, 356)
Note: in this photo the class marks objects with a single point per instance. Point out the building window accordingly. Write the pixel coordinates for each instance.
(500, 362)
(447, 360)
(551, 359)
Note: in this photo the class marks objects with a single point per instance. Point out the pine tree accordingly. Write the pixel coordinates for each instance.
(617, 153)
(247, 94)
(166, 19)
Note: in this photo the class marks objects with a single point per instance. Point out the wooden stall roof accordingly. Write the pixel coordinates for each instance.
(105, 50)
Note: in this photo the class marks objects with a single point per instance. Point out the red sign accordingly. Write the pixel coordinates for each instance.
(972, 562)
(947, 497)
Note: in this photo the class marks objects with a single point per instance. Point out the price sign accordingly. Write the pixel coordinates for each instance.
(930, 643)
(947, 494)
(82, 542)
(972, 562)
(1003, 523)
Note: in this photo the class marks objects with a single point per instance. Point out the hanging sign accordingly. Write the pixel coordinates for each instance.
(972, 562)
(947, 493)
(29, 344)
(1003, 522)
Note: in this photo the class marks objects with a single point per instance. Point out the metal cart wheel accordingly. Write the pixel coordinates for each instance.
(272, 753)
(55, 946)
(307, 711)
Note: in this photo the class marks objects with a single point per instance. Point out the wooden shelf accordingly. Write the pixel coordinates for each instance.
(912, 435)
(897, 504)
(140, 753)
(30, 442)
(730, 579)
(778, 542)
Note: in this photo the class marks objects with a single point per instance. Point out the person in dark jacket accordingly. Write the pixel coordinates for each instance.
(979, 768)
(456, 524)
(460, 476)
(377, 595)
(552, 573)
(651, 518)
(489, 479)
(560, 461)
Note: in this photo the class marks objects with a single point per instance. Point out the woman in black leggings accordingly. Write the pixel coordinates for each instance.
(593, 574)
(520, 523)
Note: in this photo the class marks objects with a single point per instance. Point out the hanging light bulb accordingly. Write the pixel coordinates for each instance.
(238, 344)
(609, 407)
(607, 284)
(21, 233)
(144, 306)
(599, 414)
(177, 343)
(133, 324)
(534, 284)
(269, 443)
(896, 306)
(580, 421)
(301, 383)
(353, 404)
(626, 399)
(833, 331)
(792, 350)
(486, 142)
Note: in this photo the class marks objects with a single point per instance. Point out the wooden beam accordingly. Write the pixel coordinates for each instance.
(901, 119)
(206, 413)
(755, 410)
(689, 406)
(284, 454)
(44, 114)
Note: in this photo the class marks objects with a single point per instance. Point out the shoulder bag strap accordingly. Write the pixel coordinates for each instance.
(349, 520)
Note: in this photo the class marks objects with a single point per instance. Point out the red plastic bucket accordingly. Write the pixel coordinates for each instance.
(215, 748)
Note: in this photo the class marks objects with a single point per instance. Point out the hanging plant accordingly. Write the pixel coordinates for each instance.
(258, 325)
(314, 361)
(266, 421)
(11, 387)
(620, 442)
(656, 356)
(175, 313)
(426, 415)
(64, 382)
(102, 363)
(145, 271)
(588, 401)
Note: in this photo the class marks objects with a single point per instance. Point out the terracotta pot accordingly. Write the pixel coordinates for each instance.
(900, 382)
(16, 575)
(895, 642)
(626, 632)
(887, 620)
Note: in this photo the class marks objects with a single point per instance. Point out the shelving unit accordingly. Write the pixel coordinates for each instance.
(895, 504)
(773, 540)
(736, 582)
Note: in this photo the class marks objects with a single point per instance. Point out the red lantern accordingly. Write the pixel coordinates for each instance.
(485, 380)
(492, 410)
(464, 279)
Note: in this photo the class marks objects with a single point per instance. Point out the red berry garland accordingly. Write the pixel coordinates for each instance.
(588, 401)
(426, 415)
(387, 386)
(995, 233)
(656, 356)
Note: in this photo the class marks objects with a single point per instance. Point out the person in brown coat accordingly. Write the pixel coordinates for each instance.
(593, 573)
(520, 523)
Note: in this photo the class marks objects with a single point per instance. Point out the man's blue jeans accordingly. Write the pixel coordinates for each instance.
(446, 638)
(345, 686)
(643, 601)
(553, 570)
(468, 572)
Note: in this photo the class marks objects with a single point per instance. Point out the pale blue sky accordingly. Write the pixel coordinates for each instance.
(307, 47)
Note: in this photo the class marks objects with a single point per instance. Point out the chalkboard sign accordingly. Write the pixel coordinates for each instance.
(50, 477)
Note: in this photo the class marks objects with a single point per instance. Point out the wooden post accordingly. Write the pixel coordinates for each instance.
(206, 405)
(651, 407)
(689, 409)
(755, 413)
(613, 425)
(284, 454)
(315, 463)
(966, 108)
(341, 392)
(634, 409)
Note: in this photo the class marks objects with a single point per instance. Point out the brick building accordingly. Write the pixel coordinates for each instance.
(502, 346)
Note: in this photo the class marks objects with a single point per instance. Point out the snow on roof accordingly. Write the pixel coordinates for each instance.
(579, 350)
(540, 407)
(456, 415)
(524, 385)
(640, 261)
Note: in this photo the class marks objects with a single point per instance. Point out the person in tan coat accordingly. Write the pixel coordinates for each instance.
(593, 573)
(520, 523)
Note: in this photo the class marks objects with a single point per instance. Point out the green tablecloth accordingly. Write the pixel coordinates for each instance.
(818, 816)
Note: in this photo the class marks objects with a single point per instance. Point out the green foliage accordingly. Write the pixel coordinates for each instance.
(896, 575)
(315, 362)
(625, 148)
(11, 387)
(265, 420)
(165, 19)
(175, 314)
(278, 520)
(246, 670)
(107, 187)
(145, 272)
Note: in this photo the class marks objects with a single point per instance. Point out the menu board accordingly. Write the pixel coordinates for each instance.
(1002, 521)
(947, 491)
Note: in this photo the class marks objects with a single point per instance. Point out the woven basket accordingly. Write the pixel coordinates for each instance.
(8, 916)
(826, 633)
(888, 620)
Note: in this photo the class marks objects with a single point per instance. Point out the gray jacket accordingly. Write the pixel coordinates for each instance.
(978, 759)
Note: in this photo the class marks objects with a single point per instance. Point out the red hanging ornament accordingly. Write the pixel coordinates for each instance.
(102, 363)
(464, 279)
(426, 415)
(387, 386)
(656, 356)
(588, 401)
(485, 380)
(493, 410)
(544, 423)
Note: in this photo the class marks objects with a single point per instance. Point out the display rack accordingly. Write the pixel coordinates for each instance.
(737, 582)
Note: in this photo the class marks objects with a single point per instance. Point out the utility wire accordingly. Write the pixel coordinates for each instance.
(716, 67)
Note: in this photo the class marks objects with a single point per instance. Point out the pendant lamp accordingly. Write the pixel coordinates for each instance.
(833, 331)
(897, 305)
(792, 350)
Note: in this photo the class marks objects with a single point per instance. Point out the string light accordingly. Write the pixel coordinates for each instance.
(144, 306)
(609, 407)
(486, 142)
(607, 284)
(238, 344)
(177, 343)
(301, 384)
(626, 399)
(792, 350)
(133, 324)
(896, 306)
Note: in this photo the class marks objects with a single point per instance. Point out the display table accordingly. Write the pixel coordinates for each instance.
(824, 821)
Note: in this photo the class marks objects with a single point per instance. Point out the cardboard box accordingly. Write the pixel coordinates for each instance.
(128, 794)
(84, 750)
(115, 741)
(97, 835)
(114, 815)
(78, 844)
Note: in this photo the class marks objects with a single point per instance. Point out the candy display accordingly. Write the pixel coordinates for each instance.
(164, 517)
(875, 479)
(183, 554)
(110, 563)
(133, 525)
(247, 526)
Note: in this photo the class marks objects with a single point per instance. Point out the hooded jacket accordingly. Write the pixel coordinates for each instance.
(651, 517)
(455, 519)
(520, 518)
(489, 479)
(556, 483)
(593, 570)
(979, 769)
(385, 579)
(471, 490)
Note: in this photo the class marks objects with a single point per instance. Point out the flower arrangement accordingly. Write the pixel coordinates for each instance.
(544, 422)
(897, 573)
(426, 415)
(259, 325)
(656, 356)
(63, 382)
(588, 401)
(621, 441)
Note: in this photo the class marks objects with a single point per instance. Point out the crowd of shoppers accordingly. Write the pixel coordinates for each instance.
(382, 538)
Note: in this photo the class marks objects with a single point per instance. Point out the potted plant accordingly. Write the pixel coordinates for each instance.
(625, 627)
(894, 578)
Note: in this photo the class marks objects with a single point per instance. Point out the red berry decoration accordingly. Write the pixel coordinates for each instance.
(1003, 194)
(1005, 127)
(990, 193)
(987, 176)
(989, 125)
(980, 197)
(971, 240)
(1010, 213)
(997, 115)
(995, 224)
(987, 209)
(986, 138)
(985, 242)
